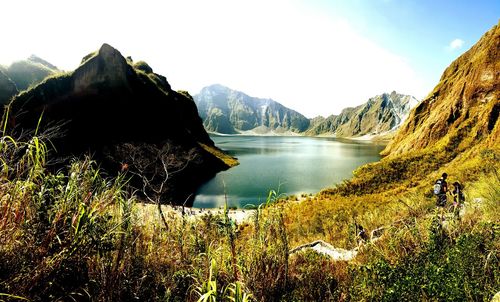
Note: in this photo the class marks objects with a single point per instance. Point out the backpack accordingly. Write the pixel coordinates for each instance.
(438, 187)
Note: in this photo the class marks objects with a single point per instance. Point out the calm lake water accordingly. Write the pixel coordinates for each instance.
(294, 165)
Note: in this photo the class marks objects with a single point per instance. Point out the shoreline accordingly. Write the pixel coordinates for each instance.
(149, 209)
(378, 138)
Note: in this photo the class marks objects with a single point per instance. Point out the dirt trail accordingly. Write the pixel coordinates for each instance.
(340, 254)
(327, 249)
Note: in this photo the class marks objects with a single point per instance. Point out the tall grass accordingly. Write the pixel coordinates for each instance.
(76, 235)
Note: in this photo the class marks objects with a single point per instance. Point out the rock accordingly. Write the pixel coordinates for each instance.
(108, 67)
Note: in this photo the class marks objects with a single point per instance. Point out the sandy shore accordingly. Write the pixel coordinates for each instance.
(239, 215)
(147, 211)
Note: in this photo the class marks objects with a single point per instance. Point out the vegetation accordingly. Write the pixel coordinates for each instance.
(27, 73)
(75, 235)
(228, 160)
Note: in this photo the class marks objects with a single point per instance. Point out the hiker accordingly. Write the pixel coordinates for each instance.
(458, 198)
(440, 190)
(362, 236)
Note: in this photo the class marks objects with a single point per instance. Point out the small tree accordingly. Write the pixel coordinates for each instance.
(153, 165)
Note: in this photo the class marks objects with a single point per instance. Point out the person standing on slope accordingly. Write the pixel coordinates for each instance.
(440, 190)
(458, 198)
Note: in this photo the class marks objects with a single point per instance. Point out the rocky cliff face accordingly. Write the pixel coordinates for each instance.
(379, 115)
(126, 117)
(463, 108)
(228, 111)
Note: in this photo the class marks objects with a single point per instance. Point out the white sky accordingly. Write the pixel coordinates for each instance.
(311, 61)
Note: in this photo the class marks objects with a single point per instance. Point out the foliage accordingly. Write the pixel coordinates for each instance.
(75, 235)
(27, 73)
(466, 268)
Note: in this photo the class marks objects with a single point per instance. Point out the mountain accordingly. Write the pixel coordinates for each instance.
(30, 72)
(7, 88)
(127, 117)
(228, 111)
(462, 110)
(379, 115)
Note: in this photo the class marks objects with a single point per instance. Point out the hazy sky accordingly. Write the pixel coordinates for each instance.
(314, 56)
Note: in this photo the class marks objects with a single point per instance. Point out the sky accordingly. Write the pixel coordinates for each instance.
(314, 56)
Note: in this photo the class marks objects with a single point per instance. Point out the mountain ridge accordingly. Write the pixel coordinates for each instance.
(378, 116)
(462, 108)
(227, 111)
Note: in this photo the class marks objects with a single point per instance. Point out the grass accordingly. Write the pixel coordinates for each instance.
(76, 235)
(228, 160)
(27, 73)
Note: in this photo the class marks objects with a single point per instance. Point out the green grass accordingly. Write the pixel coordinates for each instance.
(76, 235)
(27, 73)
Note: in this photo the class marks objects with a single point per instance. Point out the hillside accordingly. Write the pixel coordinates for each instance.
(228, 111)
(31, 71)
(7, 88)
(423, 254)
(123, 115)
(379, 115)
(462, 110)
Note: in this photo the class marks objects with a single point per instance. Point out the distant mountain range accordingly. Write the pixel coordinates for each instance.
(379, 115)
(228, 111)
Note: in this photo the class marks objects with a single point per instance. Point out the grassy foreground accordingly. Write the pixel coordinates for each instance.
(79, 236)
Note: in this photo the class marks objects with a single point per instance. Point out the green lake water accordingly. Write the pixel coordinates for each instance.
(294, 165)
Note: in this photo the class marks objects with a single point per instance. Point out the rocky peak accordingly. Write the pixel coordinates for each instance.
(36, 59)
(107, 66)
(143, 66)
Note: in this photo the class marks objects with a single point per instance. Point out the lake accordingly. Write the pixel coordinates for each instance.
(292, 165)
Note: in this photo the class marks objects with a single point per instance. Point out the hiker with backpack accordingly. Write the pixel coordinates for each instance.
(458, 198)
(440, 190)
(361, 236)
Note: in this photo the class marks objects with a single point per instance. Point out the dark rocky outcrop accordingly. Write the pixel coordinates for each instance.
(124, 117)
(228, 111)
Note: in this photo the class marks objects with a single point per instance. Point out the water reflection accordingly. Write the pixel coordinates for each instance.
(294, 164)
